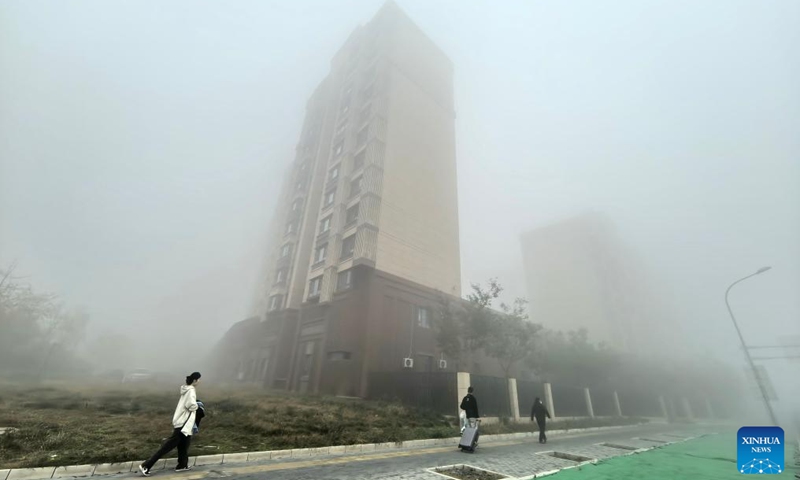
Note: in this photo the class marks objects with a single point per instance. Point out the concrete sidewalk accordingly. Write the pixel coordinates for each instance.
(513, 457)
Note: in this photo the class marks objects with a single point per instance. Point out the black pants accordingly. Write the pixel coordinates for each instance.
(176, 440)
(542, 424)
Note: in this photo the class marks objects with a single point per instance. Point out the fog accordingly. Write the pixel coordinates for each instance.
(142, 145)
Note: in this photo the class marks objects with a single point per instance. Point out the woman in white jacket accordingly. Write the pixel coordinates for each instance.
(182, 422)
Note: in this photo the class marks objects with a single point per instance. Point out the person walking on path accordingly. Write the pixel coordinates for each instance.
(183, 422)
(539, 412)
(470, 406)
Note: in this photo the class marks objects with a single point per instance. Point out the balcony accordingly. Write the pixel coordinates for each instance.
(318, 265)
(283, 261)
(323, 235)
(331, 184)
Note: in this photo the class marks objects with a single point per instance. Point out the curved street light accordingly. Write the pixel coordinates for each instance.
(744, 346)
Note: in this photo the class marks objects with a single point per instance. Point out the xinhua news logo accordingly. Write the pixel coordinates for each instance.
(760, 450)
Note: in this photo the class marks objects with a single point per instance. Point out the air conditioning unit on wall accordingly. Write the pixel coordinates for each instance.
(408, 363)
(442, 364)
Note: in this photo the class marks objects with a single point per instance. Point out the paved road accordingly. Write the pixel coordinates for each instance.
(516, 459)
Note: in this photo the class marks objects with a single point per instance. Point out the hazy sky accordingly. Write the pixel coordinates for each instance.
(142, 145)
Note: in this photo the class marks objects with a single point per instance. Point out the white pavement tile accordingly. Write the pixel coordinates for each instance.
(31, 473)
(235, 458)
(208, 460)
(259, 456)
(113, 468)
(74, 471)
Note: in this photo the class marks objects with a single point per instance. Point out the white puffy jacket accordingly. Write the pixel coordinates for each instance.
(184, 412)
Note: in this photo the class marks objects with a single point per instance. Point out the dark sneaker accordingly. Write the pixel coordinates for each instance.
(183, 469)
(145, 471)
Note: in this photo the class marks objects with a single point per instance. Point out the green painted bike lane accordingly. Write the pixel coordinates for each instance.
(711, 457)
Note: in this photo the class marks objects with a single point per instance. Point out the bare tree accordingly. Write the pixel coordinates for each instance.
(512, 338)
(32, 323)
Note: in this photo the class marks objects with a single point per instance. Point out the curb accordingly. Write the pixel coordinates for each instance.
(77, 471)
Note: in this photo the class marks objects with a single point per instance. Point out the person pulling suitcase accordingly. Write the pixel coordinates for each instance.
(469, 435)
(470, 406)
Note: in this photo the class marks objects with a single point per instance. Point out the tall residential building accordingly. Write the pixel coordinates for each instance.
(366, 231)
(374, 177)
(580, 274)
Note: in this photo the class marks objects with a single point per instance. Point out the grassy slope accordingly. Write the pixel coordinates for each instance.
(59, 426)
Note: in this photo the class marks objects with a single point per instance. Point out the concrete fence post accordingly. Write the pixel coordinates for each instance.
(617, 407)
(687, 409)
(462, 379)
(588, 397)
(663, 405)
(548, 400)
(513, 399)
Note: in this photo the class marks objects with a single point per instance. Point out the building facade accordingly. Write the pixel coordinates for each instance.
(580, 275)
(374, 178)
(365, 234)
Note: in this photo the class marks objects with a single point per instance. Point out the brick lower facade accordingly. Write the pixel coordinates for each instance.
(332, 347)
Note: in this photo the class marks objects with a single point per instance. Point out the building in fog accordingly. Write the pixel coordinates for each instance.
(580, 274)
(366, 230)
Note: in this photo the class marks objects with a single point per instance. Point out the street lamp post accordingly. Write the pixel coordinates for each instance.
(746, 350)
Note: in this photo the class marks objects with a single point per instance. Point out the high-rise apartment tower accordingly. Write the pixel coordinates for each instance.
(374, 178)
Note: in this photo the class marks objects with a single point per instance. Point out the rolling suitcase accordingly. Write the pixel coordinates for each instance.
(469, 439)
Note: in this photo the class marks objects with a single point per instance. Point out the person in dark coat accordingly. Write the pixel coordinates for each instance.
(470, 405)
(538, 413)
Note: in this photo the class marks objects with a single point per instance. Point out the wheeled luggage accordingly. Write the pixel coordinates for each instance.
(469, 439)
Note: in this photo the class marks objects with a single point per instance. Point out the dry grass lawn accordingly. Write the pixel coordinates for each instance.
(84, 425)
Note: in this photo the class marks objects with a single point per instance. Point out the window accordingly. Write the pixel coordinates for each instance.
(330, 197)
(345, 107)
(334, 356)
(358, 161)
(315, 287)
(351, 216)
(275, 302)
(345, 280)
(362, 136)
(348, 247)
(365, 113)
(280, 277)
(321, 253)
(423, 317)
(297, 205)
(341, 129)
(290, 228)
(348, 94)
(355, 186)
(325, 224)
(339, 148)
(299, 185)
(334, 173)
(286, 250)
